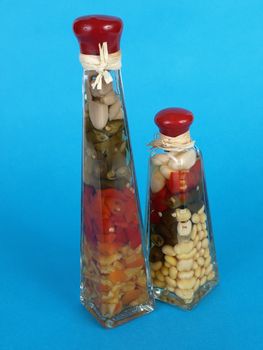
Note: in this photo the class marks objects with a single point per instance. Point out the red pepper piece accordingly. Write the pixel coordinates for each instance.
(183, 181)
(110, 238)
(177, 182)
(194, 175)
(134, 236)
(159, 200)
(121, 236)
(154, 217)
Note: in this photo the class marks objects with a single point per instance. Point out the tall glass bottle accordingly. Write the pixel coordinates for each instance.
(115, 283)
(181, 246)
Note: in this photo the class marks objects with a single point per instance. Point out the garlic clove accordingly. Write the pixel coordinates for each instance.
(109, 99)
(157, 181)
(114, 109)
(98, 113)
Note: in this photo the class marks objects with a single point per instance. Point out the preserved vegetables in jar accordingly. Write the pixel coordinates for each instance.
(181, 246)
(115, 279)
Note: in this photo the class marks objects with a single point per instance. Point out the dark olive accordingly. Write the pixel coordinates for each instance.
(156, 254)
(167, 217)
(113, 127)
(100, 136)
(169, 234)
(195, 199)
(174, 202)
(157, 239)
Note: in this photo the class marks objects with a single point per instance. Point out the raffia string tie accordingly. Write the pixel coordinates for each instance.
(180, 142)
(102, 64)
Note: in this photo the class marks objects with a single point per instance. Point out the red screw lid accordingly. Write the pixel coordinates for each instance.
(97, 29)
(173, 121)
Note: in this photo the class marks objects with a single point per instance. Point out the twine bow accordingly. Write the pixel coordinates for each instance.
(179, 143)
(101, 64)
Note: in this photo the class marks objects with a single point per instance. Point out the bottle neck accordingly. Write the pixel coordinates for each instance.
(179, 143)
(91, 81)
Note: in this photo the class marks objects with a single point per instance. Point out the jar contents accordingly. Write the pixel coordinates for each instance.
(112, 257)
(182, 254)
(115, 283)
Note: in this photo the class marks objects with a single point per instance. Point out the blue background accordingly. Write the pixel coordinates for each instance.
(202, 55)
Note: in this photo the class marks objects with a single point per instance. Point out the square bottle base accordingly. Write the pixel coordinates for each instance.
(123, 317)
(186, 304)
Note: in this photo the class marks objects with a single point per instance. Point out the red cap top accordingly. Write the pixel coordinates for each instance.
(96, 29)
(173, 121)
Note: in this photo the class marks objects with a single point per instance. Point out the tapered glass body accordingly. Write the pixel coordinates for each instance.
(115, 283)
(179, 230)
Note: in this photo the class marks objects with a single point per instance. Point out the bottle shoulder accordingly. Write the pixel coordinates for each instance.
(175, 151)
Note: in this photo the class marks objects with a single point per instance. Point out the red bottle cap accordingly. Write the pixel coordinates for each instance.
(97, 29)
(173, 121)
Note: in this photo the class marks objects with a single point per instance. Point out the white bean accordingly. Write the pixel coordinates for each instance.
(199, 245)
(194, 232)
(172, 272)
(196, 255)
(205, 233)
(170, 282)
(205, 243)
(185, 294)
(159, 284)
(196, 240)
(198, 272)
(186, 284)
(165, 271)
(195, 218)
(156, 265)
(183, 248)
(207, 261)
(203, 280)
(201, 252)
(200, 261)
(202, 217)
(188, 255)
(184, 275)
(159, 276)
(185, 265)
(197, 285)
(207, 253)
(201, 234)
(168, 250)
(208, 269)
(170, 259)
(199, 227)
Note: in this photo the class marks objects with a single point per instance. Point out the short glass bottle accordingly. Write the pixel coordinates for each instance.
(180, 239)
(115, 278)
